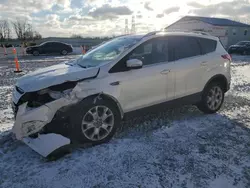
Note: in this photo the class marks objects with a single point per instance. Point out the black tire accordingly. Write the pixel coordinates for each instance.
(82, 109)
(204, 105)
(35, 53)
(64, 52)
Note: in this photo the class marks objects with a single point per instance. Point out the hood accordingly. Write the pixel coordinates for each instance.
(54, 75)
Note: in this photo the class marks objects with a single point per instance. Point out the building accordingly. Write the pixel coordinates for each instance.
(229, 32)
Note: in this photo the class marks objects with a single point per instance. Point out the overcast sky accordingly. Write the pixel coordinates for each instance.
(107, 17)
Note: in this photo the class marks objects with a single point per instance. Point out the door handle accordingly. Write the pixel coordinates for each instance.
(166, 71)
(203, 63)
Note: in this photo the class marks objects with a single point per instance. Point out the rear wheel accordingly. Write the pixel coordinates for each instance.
(96, 122)
(212, 98)
(64, 52)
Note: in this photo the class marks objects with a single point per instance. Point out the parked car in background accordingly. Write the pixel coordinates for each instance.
(242, 48)
(84, 100)
(6, 45)
(50, 47)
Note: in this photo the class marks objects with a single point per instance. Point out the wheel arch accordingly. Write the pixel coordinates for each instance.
(107, 97)
(221, 79)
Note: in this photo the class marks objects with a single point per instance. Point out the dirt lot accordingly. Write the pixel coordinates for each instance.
(176, 148)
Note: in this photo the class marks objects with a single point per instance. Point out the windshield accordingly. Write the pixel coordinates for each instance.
(107, 51)
(242, 43)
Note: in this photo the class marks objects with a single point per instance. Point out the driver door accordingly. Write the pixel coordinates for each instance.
(148, 85)
(47, 48)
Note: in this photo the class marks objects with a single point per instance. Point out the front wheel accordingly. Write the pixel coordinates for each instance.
(96, 122)
(212, 98)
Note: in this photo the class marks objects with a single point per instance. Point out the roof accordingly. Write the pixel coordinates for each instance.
(216, 21)
(175, 33)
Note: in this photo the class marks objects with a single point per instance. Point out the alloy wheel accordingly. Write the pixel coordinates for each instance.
(64, 52)
(214, 98)
(97, 123)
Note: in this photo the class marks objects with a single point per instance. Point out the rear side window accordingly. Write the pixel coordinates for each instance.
(185, 46)
(207, 45)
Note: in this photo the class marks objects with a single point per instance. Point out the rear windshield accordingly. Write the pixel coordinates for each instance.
(242, 43)
(207, 45)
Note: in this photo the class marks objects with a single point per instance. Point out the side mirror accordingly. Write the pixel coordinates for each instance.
(134, 63)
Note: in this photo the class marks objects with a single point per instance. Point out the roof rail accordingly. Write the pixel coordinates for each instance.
(155, 32)
(152, 33)
(189, 31)
(200, 32)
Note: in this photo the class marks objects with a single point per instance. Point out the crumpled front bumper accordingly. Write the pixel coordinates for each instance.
(47, 143)
(30, 121)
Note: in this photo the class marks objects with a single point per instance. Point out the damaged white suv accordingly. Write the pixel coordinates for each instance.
(84, 100)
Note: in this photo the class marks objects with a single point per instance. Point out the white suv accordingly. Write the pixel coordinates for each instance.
(84, 100)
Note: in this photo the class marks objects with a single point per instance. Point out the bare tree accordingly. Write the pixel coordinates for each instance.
(4, 30)
(24, 30)
(20, 28)
(37, 36)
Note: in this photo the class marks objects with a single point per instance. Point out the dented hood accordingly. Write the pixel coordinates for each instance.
(54, 75)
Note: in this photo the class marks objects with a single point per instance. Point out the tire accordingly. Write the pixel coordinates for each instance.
(85, 126)
(212, 98)
(35, 53)
(64, 52)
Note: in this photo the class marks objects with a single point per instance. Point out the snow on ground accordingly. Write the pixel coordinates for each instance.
(179, 147)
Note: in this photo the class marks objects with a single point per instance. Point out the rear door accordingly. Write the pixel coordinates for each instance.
(189, 64)
(58, 47)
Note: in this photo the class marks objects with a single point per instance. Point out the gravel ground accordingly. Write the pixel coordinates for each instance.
(179, 147)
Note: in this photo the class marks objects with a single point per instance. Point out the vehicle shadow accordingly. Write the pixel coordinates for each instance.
(154, 119)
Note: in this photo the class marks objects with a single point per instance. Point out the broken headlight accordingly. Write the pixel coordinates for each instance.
(59, 94)
(41, 97)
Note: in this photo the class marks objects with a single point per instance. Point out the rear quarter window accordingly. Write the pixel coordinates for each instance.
(185, 46)
(207, 45)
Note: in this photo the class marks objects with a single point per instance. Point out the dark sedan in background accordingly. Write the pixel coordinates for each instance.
(242, 48)
(50, 48)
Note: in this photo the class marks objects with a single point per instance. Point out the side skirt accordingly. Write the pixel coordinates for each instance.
(187, 100)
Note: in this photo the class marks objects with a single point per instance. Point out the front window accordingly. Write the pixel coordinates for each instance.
(107, 52)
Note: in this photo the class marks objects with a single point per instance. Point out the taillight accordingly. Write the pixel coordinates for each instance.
(227, 56)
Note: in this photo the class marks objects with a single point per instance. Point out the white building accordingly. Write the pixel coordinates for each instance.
(229, 32)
